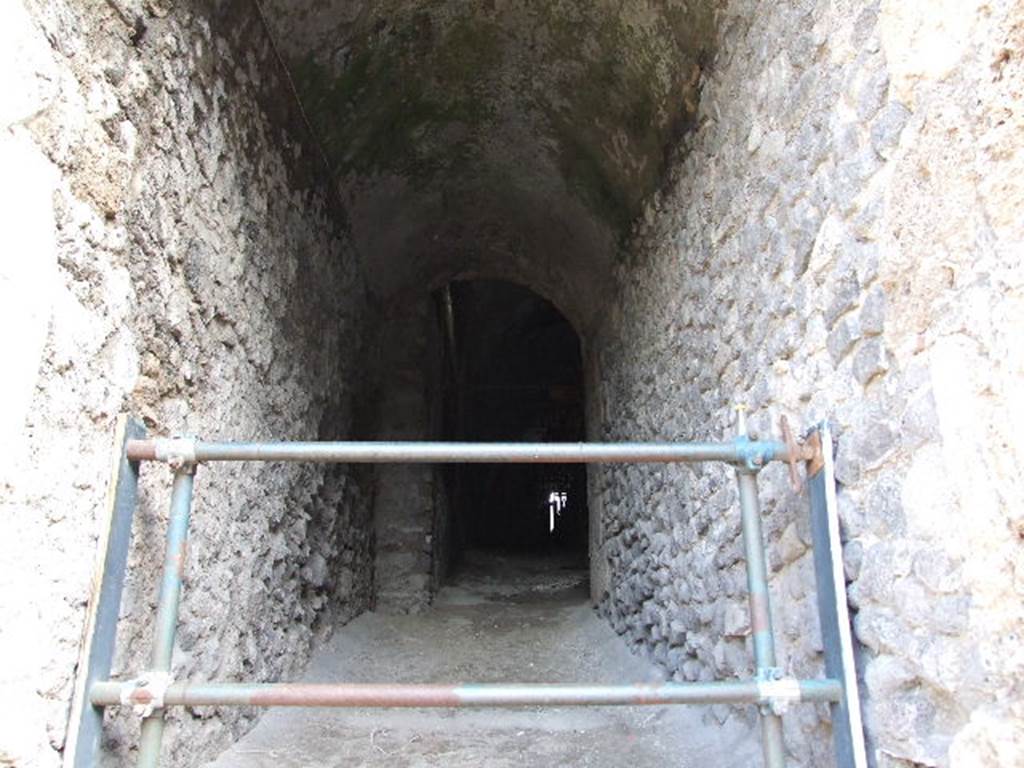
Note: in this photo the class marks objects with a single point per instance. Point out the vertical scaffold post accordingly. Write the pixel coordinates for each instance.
(167, 608)
(760, 609)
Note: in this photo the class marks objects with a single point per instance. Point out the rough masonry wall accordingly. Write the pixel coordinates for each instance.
(409, 506)
(171, 253)
(842, 240)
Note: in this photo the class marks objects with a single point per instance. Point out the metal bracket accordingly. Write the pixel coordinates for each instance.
(777, 691)
(753, 455)
(750, 458)
(809, 451)
(792, 450)
(147, 693)
(178, 451)
(813, 453)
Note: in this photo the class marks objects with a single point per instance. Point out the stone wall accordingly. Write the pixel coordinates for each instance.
(842, 238)
(838, 236)
(172, 252)
(408, 503)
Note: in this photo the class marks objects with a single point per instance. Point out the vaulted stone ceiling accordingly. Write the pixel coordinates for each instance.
(503, 138)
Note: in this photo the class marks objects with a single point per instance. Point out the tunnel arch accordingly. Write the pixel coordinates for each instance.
(222, 238)
(410, 383)
(512, 138)
(517, 376)
(504, 140)
(569, 299)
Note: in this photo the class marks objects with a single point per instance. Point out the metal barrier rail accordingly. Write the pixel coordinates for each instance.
(187, 451)
(155, 690)
(464, 695)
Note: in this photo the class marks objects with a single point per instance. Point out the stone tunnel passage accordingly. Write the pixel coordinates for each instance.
(513, 600)
(517, 377)
(233, 217)
(478, 160)
(475, 361)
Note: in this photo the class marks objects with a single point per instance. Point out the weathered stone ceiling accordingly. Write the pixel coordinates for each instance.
(509, 138)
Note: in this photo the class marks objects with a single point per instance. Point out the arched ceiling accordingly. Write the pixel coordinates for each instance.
(509, 138)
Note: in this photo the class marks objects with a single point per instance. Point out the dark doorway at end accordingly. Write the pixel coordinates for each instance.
(514, 374)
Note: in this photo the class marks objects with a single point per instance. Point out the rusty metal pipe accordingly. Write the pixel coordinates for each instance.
(760, 613)
(167, 607)
(112, 693)
(740, 450)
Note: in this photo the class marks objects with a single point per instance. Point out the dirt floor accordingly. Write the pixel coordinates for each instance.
(501, 619)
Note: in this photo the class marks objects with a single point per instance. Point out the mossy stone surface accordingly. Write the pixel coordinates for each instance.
(527, 129)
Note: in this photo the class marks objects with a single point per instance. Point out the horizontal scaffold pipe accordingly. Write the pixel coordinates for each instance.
(111, 693)
(187, 450)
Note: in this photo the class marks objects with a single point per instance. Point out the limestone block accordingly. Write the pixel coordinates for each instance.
(790, 545)
(887, 128)
(924, 46)
(736, 620)
(886, 674)
(843, 336)
(870, 361)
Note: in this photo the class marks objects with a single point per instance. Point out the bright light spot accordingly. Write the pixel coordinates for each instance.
(557, 501)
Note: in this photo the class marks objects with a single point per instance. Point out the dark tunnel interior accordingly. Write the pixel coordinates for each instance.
(515, 374)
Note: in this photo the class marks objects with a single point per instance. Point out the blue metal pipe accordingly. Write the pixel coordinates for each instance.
(167, 607)
(760, 611)
(751, 453)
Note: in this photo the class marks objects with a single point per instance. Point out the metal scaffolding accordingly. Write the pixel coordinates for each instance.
(770, 690)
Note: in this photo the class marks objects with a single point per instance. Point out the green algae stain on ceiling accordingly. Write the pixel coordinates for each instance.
(406, 99)
(562, 97)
